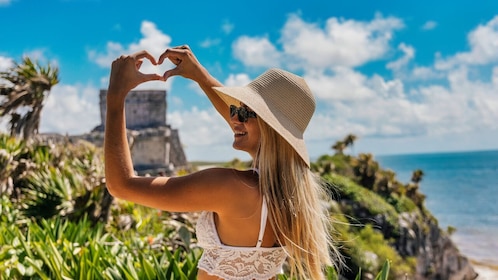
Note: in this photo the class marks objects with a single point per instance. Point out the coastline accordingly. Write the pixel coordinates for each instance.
(485, 270)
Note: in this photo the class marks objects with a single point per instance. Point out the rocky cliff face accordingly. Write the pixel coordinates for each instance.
(388, 221)
(437, 256)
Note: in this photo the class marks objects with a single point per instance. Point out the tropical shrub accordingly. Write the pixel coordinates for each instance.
(58, 221)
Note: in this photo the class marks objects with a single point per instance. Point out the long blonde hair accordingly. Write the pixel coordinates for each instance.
(295, 208)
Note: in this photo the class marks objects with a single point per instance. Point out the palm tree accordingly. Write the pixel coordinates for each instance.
(365, 168)
(417, 176)
(349, 141)
(339, 147)
(23, 90)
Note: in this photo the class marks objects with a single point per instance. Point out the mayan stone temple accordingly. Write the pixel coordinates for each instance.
(155, 146)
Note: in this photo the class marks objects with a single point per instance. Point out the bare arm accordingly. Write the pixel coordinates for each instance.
(125, 75)
(189, 67)
(199, 191)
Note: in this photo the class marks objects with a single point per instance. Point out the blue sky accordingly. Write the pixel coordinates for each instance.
(404, 76)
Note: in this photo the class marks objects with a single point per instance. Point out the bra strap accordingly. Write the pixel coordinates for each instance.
(262, 226)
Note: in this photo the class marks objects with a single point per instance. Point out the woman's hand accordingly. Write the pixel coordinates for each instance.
(186, 63)
(189, 67)
(126, 75)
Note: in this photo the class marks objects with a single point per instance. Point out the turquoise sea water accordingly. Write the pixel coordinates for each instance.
(462, 191)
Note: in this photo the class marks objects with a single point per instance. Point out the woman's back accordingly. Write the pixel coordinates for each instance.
(240, 243)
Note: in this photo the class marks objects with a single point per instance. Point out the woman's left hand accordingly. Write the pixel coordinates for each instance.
(126, 75)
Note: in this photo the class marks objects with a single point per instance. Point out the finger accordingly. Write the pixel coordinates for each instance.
(183, 47)
(170, 73)
(139, 64)
(174, 54)
(151, 77)
(144, 54)
(175, 61)
(164, 55)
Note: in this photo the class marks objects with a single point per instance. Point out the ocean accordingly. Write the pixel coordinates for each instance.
(462, 192)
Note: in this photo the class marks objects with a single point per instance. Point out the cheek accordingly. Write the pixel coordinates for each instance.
(256, 135)
(254, 129)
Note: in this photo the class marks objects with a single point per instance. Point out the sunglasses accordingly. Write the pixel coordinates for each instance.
(242, 113)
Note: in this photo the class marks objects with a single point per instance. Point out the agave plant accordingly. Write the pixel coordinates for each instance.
(10, 149)
(26, 86)
(47, 179)
(61, 249)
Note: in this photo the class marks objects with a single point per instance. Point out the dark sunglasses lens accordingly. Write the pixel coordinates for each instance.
(242, 114)
(233, 110)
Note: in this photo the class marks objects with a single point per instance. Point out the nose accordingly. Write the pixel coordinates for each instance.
(234, 118)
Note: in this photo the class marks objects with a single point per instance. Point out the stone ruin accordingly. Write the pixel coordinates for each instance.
(155, 146)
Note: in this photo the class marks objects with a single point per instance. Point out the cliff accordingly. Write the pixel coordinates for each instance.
(378, 218)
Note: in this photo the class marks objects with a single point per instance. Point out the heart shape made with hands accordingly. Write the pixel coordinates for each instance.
(160, 69)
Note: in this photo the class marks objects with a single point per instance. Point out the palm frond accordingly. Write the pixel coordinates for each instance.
(27, 84)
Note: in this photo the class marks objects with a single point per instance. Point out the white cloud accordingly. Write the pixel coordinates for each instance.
(114, 50)
(153, 40)
(5, 2)
(227, 27)
(408, 55)
(38, 55)
(429, 25)
(494, 78)
(345, 85)
(204, 134)
(341, 42)
(206, 121)
(402, 68)
(425, 73)
(71, 109)
(235, 80)
(6, 63)
(375, 107)
(483, 42)
(208, 42)
(256, 51)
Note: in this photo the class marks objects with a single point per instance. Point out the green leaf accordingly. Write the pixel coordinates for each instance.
(384, 273)
(358, 276)
(36, 266)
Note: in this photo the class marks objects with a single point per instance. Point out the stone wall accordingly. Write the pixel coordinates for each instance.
(155, 147)
(177, 154)
(144, 108)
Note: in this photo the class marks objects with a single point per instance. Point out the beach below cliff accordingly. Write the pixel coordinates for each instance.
(486, 271)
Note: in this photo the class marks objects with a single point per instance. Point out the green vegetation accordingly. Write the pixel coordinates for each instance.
(57, 220)
(23, 91)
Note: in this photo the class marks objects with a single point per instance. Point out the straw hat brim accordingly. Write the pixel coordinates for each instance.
(268, 113)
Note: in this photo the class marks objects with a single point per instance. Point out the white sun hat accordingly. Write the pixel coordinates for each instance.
(282, 99)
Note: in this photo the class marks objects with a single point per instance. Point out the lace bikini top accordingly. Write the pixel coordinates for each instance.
(237, 263)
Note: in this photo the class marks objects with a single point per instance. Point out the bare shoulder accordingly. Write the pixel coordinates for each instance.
(215, 189)
(226, 178)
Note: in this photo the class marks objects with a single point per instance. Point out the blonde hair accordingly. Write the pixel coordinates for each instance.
(295, 207)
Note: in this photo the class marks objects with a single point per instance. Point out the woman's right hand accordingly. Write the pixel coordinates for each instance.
(186, 63)
(189, 67)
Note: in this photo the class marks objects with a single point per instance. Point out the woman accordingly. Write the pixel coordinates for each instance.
(251, 220)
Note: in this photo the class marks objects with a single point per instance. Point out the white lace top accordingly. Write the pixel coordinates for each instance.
(237, 263)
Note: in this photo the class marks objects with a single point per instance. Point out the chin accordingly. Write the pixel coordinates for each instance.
(239, 148)
(236, 147)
